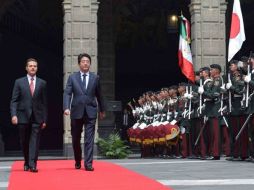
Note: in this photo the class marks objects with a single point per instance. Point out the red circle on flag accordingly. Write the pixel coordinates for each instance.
(235, 26)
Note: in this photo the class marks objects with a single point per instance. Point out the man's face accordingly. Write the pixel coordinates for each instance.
(205, 74)
(31, 68)
(212, 72)
(162, 94)
(181, 89)
(84, 64)
(233, 67)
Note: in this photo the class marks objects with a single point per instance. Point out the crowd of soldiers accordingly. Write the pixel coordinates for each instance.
(205, 120)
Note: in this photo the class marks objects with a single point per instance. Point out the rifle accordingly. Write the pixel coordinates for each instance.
(244, 125)
(200, 98)
(185, 104)
(248, 88)
(201, 130)
(229, 95)
(190, 103)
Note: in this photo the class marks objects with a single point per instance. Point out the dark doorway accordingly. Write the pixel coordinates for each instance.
(32, 28)
(146, 46)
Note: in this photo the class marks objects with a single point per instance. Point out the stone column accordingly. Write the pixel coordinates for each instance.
(208, 32)
(80, 35)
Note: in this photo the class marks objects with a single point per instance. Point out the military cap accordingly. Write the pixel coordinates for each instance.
(174, 87)
(215, 66)
(233, 61)
(205, 69)
(182, 84)
(244, 59)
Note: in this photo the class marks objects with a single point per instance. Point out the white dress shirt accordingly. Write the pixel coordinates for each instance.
(29, 79)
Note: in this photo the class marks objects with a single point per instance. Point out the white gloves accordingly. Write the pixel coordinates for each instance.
(190, 96)
(173, 122)
(228, 85)
(223, 87)
(201, 90)
(247, 78)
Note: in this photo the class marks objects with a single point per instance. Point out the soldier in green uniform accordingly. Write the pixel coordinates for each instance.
(237, 115)
(184, 121)
(213, 105)
(249, 79)
(204, 130)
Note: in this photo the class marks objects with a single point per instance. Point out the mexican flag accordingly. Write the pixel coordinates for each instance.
(237, 34)
(184, 51)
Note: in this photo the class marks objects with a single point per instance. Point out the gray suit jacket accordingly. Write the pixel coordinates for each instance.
(23, 104)
(80, 100)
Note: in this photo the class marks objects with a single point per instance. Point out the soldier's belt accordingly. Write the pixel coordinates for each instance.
(208, 100)
(238, 96)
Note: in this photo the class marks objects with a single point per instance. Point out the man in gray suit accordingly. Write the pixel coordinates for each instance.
(29, 111)
(80, 99)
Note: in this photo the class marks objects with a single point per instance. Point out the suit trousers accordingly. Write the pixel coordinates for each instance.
(76, 131)
(30, 140)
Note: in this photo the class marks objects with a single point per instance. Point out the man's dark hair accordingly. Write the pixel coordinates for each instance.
(31, 59)
(83, 55)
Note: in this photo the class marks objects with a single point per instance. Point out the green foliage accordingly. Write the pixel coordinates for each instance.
(113, 147)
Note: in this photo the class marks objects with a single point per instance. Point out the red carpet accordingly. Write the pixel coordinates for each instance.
(60, 174)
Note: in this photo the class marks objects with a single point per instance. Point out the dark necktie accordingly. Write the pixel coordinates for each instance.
(32, 86)
(84, 80)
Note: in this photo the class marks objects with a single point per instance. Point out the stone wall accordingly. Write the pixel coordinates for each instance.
(208, 32)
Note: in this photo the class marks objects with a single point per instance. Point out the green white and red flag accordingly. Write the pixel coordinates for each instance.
(184, 51)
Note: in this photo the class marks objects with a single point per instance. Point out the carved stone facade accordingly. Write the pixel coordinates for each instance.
(208, 32)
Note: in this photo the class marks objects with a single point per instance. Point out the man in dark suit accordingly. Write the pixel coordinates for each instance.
(29, 111)
(80, 99)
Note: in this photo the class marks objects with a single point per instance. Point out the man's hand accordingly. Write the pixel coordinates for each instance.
(102, 115)
(228, 85)
(201, 90)
(14, 120)
(67, 112)
(43, 125)
(247, 78)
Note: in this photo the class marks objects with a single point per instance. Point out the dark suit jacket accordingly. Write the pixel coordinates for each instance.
(80, 100)
(23, 104)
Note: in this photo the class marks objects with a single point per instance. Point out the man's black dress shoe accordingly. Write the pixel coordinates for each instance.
(26, 167)
(77, 165)
(33, 169)
(214, 158)
(89, 168)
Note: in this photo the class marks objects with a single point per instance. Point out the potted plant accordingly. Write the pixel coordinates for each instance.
(113, 147)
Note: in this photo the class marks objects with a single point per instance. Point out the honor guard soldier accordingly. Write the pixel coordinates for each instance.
(204, 134)
(183, 112)
(237, 116)
(213, 104)
(249, 79)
